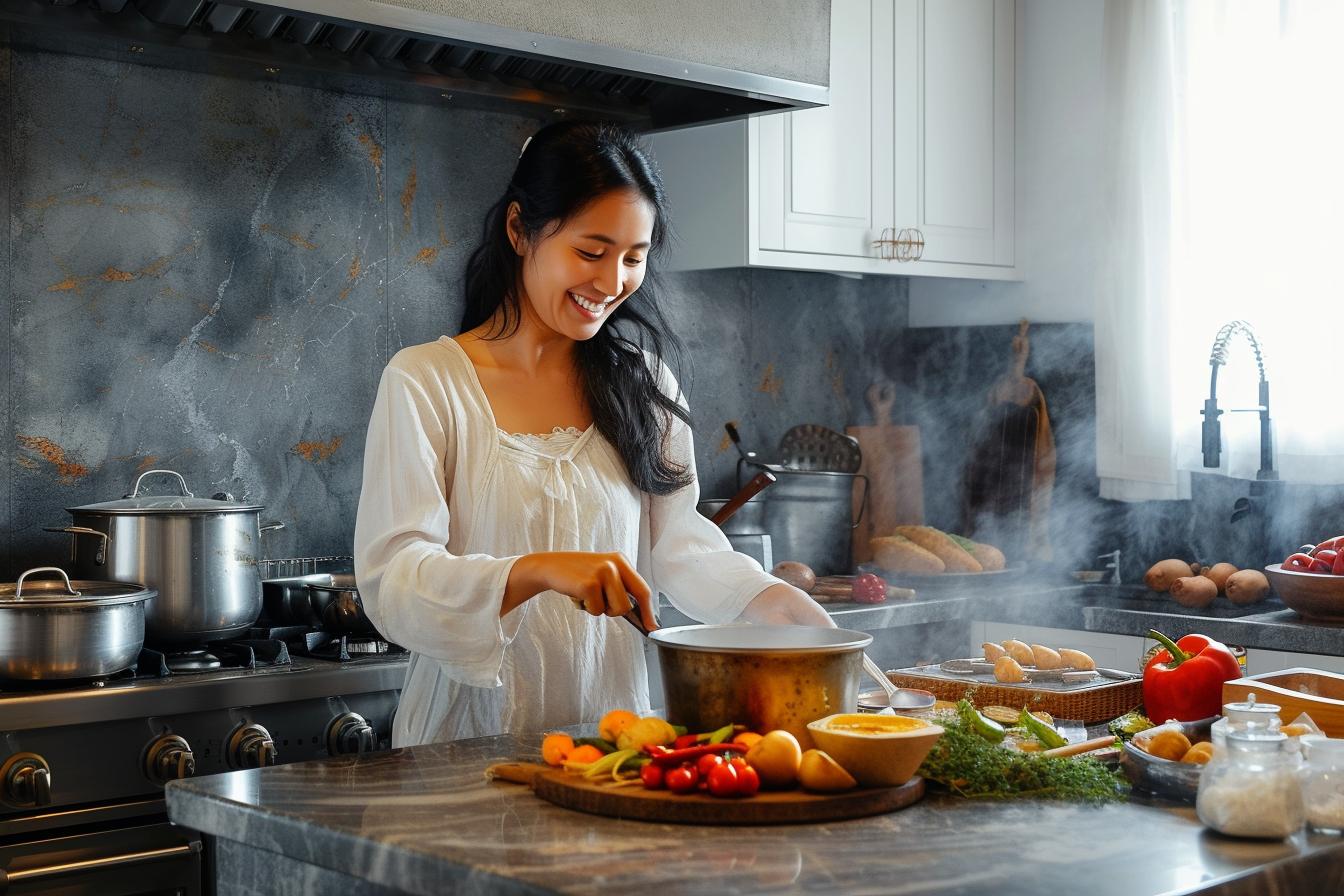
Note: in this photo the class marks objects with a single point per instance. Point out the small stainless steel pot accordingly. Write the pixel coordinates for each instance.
(200, 554)
(337, 605)
(53, 629)
(763, 676)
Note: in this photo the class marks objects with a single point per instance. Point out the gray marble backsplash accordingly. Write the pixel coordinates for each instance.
(209, 275)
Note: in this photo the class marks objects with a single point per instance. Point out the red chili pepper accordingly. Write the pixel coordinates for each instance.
(1299, 561)
(665, 757)
(1337, 568)
(1184, 681)
(684, 741)
(1319, 565)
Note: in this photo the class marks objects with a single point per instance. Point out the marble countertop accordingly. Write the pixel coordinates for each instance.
(425, 820)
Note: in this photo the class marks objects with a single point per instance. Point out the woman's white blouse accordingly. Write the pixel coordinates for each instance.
(449, 502)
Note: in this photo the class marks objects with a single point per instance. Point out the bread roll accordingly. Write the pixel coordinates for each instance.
(1020, 651)
(1008, 669)
(1045, 657)
(899, 554)
(993, 651)
(988, 556)
(938, 543)
(1076, 659)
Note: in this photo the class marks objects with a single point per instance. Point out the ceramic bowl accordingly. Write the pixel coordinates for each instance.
(879, 751)
(1316, 596)
(1167, 777)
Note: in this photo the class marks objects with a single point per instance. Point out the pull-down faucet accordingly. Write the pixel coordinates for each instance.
(1212, 431)
(1212, 428)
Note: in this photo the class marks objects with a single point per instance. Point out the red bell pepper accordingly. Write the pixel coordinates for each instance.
(1184, 680)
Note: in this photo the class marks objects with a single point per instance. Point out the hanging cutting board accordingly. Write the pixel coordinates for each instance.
(767, 807)
(895, 471)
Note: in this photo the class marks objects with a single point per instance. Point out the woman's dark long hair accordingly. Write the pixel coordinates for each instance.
(564, 168)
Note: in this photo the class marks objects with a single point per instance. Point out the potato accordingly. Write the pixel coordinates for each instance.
(1165, 743)
(1045, 657)
(1247, 586)
(1219, 573)
(1008, 669)
(993, 651)
(1163, 575)
(1076, 659)
(1194, 591)
(1019, 651)
(1196, 567)
(1200, 753)
(799, 575)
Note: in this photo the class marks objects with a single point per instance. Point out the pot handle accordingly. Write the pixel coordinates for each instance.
(271, 526)
(18, 587)
(100, 558)
(863, 502)
(181, 483)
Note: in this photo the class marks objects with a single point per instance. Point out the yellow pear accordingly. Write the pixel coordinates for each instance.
(819, 772)
(776, 757)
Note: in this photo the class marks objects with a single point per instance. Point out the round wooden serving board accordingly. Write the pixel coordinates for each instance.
(767, 807)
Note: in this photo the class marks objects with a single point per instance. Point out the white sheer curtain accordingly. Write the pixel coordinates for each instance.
(1228, 181)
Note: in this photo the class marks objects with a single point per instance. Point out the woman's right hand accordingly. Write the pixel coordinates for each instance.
(602, 584)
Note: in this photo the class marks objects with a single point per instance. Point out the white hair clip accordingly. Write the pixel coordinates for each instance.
(524, 149)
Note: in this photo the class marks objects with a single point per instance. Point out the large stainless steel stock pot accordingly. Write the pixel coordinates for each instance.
(200, 554)
(763, 676)
(56, 629)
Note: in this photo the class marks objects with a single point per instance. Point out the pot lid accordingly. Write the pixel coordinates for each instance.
(184, 501)
(67, 593)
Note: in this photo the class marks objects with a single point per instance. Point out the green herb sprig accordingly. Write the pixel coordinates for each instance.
(970, 766)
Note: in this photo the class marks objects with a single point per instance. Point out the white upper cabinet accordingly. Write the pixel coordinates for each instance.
(918, 137)
(821, 186)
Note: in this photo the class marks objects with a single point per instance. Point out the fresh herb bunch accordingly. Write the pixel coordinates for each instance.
(970, 766)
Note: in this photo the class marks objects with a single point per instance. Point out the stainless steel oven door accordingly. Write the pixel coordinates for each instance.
(146, 859)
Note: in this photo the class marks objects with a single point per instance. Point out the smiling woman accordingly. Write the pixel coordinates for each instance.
(545, 453)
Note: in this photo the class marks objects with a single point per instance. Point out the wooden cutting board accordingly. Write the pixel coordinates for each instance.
(767, 807)
(895, 471)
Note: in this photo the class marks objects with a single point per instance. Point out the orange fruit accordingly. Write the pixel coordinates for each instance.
(556, 748)
(614, 722)
(585, 753)
(747, 739)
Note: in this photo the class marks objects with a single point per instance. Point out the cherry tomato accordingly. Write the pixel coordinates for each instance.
(748, 781)
(682, 779)
(723, 780)
(706, 763)
(683, 741)
(652, 776)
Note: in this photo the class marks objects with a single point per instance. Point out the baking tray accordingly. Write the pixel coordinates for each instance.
(1090, 702)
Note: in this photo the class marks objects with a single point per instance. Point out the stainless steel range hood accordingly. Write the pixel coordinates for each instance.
(651, 63)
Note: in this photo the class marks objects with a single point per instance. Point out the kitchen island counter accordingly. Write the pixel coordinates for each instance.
(425, 820)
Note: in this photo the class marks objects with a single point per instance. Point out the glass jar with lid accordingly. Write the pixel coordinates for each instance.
(1247, 716)
(1250, 787)
(1322, 779)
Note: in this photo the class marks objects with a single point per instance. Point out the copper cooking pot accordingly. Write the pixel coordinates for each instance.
(764, 676)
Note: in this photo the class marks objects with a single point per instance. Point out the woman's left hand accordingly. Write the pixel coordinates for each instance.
(785, 605)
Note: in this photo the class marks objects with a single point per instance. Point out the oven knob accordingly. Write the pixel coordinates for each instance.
(169, 758)
(25, 781)
(350, 733)
(250, 746)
